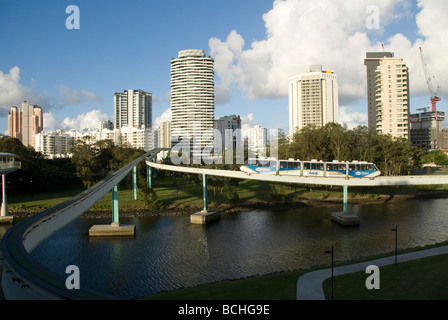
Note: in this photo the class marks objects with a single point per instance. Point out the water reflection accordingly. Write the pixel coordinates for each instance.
(169, 252)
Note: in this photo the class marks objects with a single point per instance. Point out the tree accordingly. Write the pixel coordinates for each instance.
(438, 157)
(95, 161)
(393, 156)
(338, 143)
(36, 172)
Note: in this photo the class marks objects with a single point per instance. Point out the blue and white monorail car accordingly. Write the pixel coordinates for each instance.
(313, 168)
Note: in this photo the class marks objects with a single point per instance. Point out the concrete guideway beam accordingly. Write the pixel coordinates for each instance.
(22, 277)
(344, 217)
(323, 181)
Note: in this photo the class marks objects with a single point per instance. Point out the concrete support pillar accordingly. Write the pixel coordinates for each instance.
(115, 218)
(345, 204)
(4, 208)
(134, 182)
(149, 176)
(205, 194)
(204, 216)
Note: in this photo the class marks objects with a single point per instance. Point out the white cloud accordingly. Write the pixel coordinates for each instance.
(166, 116)
(89, 120)
(246, 123)
(13, 93)
(333, 33)
(301, 33)
(75, 97)
(352, 119)
(227, 54)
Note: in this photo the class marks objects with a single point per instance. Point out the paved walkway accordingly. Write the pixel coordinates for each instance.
(309, 286)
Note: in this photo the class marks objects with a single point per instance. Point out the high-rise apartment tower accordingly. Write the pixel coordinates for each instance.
(388, 94)
(192, 98)
(133, 109)
(25, 122)
(313, 99)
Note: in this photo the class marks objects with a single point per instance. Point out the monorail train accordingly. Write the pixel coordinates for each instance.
(313, 168)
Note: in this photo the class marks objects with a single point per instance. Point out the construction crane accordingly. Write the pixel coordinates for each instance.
(431, 82)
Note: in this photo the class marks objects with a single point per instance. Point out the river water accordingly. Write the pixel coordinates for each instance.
(168, 252)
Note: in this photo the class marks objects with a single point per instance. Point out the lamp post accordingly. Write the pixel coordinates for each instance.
(396, 242)
(332, 270)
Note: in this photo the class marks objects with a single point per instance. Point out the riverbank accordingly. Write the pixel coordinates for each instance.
(283, 285)
(181, 209)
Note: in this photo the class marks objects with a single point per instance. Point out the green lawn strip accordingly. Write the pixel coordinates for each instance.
(278, 286)
(184, 195)
(37, 200)
(421, 279)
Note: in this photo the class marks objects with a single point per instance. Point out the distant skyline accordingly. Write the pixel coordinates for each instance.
(257, 45)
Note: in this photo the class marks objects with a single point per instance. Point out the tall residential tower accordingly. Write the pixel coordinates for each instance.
(388, 94)
(133, 109)
(192, 98)
(25, 122)
(313, 99)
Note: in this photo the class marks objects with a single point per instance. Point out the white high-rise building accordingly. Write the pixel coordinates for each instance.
(230, 129)
(372, 62)
(388, 94)
(164, 138)
(257, 138)
(54, 144)
(133, 109)
(313, 99)
(192, 98)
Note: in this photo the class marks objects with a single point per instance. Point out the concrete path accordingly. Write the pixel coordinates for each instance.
(309, 286)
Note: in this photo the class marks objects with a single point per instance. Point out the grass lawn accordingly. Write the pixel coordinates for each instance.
(422, 279)
(40, 200)
(279, 286)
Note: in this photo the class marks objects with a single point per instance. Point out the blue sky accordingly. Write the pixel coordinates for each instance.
(128, 45)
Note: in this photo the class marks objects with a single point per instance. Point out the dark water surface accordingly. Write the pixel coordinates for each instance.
(168, 252)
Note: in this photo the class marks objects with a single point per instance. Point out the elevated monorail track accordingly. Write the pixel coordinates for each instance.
(333, 181)
(24, 278)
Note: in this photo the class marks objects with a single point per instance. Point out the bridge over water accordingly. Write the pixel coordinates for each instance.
(24, 278)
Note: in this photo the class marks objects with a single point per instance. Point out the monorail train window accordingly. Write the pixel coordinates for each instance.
(294, 165)
(283, 165)
(306, 166)
(365, 167)
(319, 166)
(352, 167)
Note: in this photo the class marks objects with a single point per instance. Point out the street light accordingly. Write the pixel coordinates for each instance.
(332, 270)
(396, 240)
